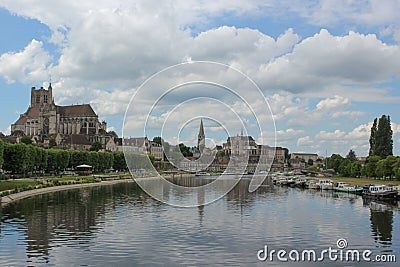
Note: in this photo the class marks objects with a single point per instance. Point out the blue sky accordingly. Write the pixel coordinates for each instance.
(327, 68)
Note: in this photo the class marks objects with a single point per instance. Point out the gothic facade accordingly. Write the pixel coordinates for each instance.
(73, 127)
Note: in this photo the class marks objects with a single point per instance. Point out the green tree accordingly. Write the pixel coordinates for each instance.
(384, 167)
(185, 150)
(1, 153)
(351, 156)
(93, 160)
(370, 166)
(372, 138)
(355, 169)
(287, 156)
(220, 154)
(52, 159)
(113, 134)
(396, 168)
(119, 162)
(96, 146)
(105, 161)
(152, 159)
(26, 140)
(16, 158)
(63, 158)
(382, 140)
(52, 143)
(313, 168)
(78, 158)
(345, 168)
(157, 140)
(334, 162)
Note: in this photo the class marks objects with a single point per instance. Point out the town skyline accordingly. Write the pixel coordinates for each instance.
(326, 73)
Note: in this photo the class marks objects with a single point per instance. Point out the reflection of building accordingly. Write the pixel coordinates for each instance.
(75, 127)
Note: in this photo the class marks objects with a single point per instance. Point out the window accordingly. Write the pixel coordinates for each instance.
(45, 98)
(37, 98)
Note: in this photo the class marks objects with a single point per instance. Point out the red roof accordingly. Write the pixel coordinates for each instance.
(21, 120)
(33, 113)
(76, 111)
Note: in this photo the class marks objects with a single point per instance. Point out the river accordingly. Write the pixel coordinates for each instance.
(121, 225)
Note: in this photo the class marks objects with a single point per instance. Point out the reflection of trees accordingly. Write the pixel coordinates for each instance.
(381, 222)
(61, 217)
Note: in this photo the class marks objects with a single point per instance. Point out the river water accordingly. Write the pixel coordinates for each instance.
(121, 225)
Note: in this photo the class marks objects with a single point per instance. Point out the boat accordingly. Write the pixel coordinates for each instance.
(202, 174)
(379, 191)
(281, 181)
(300, 181)
(344, 187)
(325, 184)
(313, 184)
(284, 181)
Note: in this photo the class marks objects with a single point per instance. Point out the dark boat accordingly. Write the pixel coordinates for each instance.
(379, 191)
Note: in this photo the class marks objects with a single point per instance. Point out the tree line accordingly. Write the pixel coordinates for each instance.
(374, 167)
(22, 159)
(379, 164)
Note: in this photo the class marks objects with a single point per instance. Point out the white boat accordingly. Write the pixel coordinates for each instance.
(300, 181)
(325, 184)
(344, 187)
(379, 191)
(202, 174)
(312, 184)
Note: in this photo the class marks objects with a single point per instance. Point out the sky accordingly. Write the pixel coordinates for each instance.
(325, 68)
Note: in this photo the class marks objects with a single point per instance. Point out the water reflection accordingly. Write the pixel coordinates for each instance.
(122, 225)
(381, 221)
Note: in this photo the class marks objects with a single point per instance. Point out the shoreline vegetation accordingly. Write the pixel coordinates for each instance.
(24, 188)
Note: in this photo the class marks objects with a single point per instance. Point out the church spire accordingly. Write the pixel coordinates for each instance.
(201, 139)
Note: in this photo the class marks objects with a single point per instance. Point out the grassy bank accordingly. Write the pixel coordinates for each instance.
(8, 187)
(362, 181)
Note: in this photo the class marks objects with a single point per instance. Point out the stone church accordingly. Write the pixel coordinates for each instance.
(71, 127)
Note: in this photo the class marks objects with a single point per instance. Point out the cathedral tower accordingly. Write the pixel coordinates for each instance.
(201, 139)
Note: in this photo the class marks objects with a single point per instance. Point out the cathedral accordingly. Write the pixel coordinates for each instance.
(71, 127)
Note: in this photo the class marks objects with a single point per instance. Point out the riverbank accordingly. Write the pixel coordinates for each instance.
(54, 188)
(362, 181)
(21, 195)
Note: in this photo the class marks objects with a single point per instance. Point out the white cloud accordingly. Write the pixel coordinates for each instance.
(28, 65)
(332, 103)
(361, 132)
(305, 141)
(323, 60)
(348, 113)
(288, 134)
(6, 131)
(324, 135)
(109, 48)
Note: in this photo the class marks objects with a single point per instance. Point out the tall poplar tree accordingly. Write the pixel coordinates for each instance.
(372, 138)
(381, 139)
